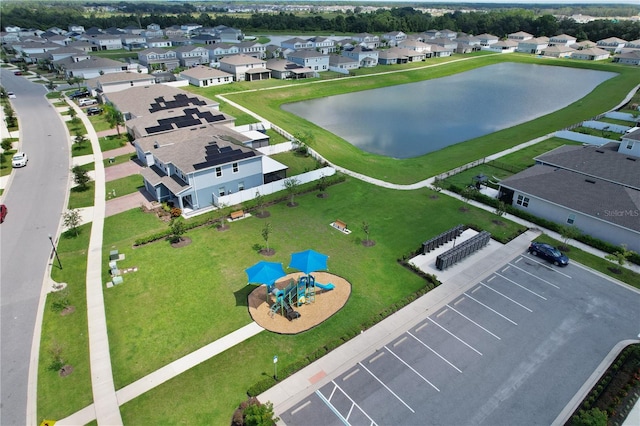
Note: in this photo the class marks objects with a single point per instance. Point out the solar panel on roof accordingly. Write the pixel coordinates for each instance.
(187, 123)
(160, 128)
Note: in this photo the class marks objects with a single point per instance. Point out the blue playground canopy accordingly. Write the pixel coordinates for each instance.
(309, 261)
(265, 272)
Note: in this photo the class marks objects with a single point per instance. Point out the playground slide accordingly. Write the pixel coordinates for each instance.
(325, 287)
(289, 311)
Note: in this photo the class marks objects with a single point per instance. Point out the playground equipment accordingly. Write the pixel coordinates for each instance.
(296, 293)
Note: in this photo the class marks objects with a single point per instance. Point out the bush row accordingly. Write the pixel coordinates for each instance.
(617, 391)
(553, 226)
(266, 383)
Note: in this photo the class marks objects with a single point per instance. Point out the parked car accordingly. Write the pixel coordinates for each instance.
(3, 212)
(87, 101)
(19, 159)
(94, 111)
(549, 253)
(11, 95)
(79, 94)
(17, 73)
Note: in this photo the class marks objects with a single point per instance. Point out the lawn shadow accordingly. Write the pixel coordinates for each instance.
(242, 295)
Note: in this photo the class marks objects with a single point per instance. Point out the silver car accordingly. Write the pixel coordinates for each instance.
(19, 159)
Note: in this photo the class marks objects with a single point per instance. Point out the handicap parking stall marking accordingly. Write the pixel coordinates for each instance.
(354, 408)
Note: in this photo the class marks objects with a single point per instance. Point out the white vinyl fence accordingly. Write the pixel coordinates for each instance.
(249, 194)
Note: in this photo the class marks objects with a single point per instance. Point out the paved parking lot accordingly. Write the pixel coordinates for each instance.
(513, 348)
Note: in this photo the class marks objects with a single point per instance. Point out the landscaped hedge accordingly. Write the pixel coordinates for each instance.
(616, 392)
(552, 226)
(266, 383)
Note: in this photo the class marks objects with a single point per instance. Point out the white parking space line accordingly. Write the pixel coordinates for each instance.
(521, 286)
(293, 413)
(506, 297)
(387, 388)
(473, 322)
(491, 309)
(456, 337)
(346, 422)
(547, 266)
(535, 276)
(436, 353)
(412, 369)
(518, 259)
(505, 269)
(350, 375)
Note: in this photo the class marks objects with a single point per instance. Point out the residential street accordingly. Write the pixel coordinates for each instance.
(35, 198)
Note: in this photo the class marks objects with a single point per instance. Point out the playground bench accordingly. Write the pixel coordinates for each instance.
(237, 215)
(340, 225)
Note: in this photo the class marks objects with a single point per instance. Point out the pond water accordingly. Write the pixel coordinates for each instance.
(414, 119)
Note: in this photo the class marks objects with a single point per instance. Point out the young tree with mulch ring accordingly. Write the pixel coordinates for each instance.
(291, 185)
(366, 229)
(260, 203)
(266, 233)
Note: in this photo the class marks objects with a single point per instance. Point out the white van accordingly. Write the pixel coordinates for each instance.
(87, 101)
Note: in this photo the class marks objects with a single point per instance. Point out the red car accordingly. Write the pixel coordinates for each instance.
(17, 73)
(3, 212)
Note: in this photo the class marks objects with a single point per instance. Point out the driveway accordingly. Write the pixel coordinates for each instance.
(128, 202)
(122, 170)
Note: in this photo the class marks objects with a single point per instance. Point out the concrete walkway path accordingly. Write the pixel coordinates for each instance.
(106, 408)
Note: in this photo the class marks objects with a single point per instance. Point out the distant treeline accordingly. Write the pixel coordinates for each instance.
(405, 19)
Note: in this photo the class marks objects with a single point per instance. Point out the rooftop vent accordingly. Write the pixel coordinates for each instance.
(590, 181)
(156, 145)
(632, 159)
(600, 151)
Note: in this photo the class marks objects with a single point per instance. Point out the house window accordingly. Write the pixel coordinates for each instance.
(235, 167)
(240, 186)
(571, 219)
(522, 201)
(629, 144)
(218, 171)
(221, 191)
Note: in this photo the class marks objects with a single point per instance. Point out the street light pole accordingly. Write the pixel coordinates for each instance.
(55, 251)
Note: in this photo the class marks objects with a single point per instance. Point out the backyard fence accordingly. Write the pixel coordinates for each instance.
(582, 138)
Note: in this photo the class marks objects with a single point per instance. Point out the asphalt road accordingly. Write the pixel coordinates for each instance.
(35, 199)
(512, 350)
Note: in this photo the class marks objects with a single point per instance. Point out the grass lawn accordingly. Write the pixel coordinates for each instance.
(124, 186)
(297, 163)
(68, 332)
(275, 137)
(99, 123)
(5, 163)
(107, 143)
(119, 160)
(159, 314)
(78, 150)
(525, 157)
(616, 121)
(338, 151)
(600, 133)
(79, 198)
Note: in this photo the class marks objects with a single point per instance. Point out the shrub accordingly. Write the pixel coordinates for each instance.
(176, 212)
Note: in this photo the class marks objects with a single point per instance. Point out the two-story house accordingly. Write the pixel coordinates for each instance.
(394, 38)
(159, 59)
(533, 45)
(323, 44)
(316, 61)
(252, 48)
(562, 40)
(221, 50)
(365, 56)
(296, 43)
(244, 67)
(612, 44)
(190, 56)
(367, 40)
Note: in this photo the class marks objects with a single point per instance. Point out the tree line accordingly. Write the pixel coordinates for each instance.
(405, 19)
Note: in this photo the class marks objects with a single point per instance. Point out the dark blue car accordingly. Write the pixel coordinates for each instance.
(549, 253)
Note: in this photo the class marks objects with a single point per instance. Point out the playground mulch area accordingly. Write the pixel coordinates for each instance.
(326, 304)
